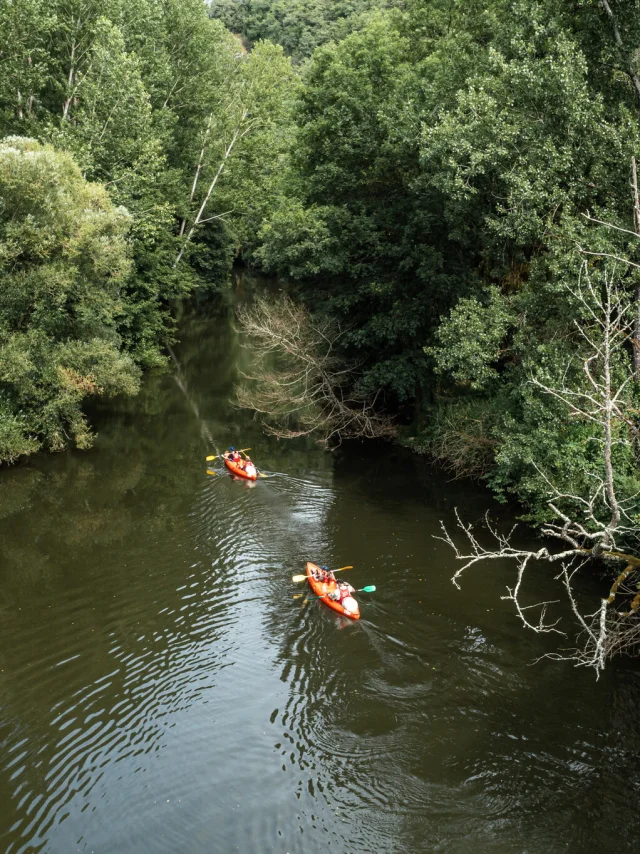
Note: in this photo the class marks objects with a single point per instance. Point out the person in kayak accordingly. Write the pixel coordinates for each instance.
(325, 575)
(233, 455)
(342, 595)
(249, 467)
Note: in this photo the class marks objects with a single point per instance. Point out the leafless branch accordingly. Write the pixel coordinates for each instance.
(597, 525)
(299, 382)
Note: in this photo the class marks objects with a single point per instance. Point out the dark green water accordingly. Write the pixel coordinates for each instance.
(161, 691)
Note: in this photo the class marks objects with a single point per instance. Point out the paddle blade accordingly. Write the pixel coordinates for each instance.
(342, 568)
(208, 459)
(297, 578)
(213, 473)
(370, 589)
(298, 596)
(262, 475)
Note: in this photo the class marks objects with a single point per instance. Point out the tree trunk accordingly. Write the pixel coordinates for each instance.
(212, 185)
(196, 177)
(70, 79)
(614, 507)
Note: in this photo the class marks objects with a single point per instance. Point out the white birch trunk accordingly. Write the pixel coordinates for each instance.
(196, 177)
(237, 134)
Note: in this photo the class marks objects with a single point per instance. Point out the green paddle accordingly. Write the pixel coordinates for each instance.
(370, 589)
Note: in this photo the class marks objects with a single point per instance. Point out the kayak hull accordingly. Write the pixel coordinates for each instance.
(322, 588)
(237, 470)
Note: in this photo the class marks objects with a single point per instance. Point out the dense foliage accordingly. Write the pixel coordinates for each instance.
(300, 26)
(446, 156)
(64, 261)
(184, 131)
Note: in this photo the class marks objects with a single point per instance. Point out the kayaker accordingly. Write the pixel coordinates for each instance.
(342, 594)
(233, 455)
(249, 467)
(325, 575)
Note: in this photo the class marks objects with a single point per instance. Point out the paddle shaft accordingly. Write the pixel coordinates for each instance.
(297, 578)
(241, 451)
(359, 590)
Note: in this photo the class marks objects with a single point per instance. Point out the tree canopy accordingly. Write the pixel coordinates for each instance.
(184, 130)
(300, 26)
(446, 155)
(63, 263)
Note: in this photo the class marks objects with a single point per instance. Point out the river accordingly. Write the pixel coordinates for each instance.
(161, 690)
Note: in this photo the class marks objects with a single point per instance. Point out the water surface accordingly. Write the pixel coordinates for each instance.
(161, 690)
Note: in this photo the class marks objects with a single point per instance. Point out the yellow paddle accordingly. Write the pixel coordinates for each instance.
(241, 451)
(297, 578)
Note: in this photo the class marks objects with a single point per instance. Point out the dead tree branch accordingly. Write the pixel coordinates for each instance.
(299, 381)
(599, 525)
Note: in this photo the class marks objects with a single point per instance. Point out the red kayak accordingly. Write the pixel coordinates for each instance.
(237, 469)
(323, 588)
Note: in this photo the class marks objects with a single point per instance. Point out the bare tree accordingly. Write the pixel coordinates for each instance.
(299, 381)
(599, 525)
(627, 262)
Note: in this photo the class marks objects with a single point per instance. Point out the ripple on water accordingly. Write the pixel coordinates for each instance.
(152, 673)
(190, 704)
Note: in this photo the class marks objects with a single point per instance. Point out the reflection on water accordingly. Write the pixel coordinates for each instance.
(160, 690)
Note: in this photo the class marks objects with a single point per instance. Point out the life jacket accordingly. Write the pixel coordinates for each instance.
(250, 468)
(342, 592)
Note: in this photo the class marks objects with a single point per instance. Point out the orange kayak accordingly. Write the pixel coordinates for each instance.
(322, 588)
(236, 469)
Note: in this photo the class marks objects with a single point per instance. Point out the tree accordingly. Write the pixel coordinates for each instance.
(244, 140)
(298, 382)
(597, 520)
(25, 27)
(353, 163)
(300, 26)
(64, 259)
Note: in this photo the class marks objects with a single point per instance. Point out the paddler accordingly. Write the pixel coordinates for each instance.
(325, 575)
(342, 595)
(233, 455)
(249, 467)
